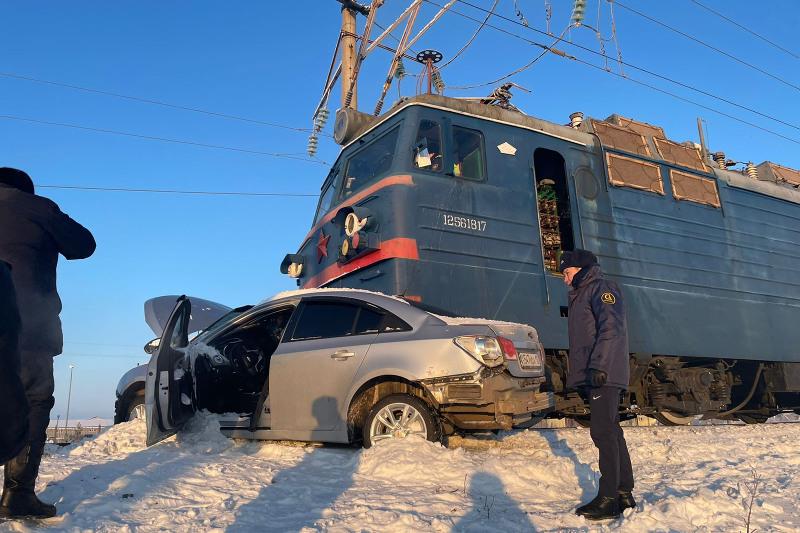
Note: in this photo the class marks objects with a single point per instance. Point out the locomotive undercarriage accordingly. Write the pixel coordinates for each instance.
(675, 390)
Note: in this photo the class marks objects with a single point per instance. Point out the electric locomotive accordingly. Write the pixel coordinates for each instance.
(464, 207)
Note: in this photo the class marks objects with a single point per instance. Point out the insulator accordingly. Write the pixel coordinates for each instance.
(578, 12)
(400, 70)
(437, 81)
(751, 170)
(313, 141)
(719, 159)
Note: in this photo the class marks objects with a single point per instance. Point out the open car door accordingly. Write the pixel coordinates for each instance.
(169, 388)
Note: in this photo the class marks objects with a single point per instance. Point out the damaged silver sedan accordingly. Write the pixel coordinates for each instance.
(345, 366)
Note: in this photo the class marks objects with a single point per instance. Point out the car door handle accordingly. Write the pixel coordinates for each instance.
(341, 355)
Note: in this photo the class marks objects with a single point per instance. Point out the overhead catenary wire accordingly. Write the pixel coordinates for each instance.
(178, 191)
(472, 38)
(516, 71)
(625, 63)
(151, 101)
(161, 139)
(628, 78)
(745, 28)
(707, 45)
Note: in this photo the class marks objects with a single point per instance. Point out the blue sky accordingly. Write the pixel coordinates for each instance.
(267, 61)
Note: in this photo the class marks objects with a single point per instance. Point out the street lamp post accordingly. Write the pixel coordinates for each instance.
(69, 396)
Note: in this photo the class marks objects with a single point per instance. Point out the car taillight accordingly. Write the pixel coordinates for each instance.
(482, 347)
(507, 345)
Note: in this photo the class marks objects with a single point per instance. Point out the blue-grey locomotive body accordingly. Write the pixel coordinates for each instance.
(465, 207)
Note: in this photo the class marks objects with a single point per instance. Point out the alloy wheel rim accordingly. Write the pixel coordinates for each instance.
(397, 421)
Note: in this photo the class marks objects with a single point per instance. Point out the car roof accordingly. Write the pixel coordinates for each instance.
(393, 304)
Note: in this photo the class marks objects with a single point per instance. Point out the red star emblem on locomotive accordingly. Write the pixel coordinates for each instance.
(322, 246)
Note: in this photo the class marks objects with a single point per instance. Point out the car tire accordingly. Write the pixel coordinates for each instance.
(419, 420)
(135, 408)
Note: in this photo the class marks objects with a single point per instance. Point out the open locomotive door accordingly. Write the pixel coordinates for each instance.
(169, 396)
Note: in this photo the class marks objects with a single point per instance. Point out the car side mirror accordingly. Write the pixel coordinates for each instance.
(152, 346)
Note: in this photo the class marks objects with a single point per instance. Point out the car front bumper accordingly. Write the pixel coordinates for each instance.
(490, 400)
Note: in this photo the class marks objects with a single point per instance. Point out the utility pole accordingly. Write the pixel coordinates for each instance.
(349, 54)
(69, 395)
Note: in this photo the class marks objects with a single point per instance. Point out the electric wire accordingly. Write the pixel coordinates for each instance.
(178, 191)
(514, 72)
(707, 45)
(627, 64)
(151, 101)
(161, 139)
(633, 80)
(745, 28)
(474, 35)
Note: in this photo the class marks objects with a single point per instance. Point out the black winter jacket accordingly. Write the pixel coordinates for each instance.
(13, 404)
(598, 333)
(33, 231)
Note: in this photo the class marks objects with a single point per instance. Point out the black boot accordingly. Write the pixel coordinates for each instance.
(601, 508)
(625, 500)
(19, 499)
(20, 503)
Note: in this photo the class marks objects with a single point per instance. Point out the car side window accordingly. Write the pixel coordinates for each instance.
(323, 320)
(369, 321)
(378, 321)
(393, 323)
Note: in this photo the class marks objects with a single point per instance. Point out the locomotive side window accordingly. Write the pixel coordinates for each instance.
(555, 219)
(428, 146)
(635, 173)
(693, 188)
(468, 154)
(370, 163)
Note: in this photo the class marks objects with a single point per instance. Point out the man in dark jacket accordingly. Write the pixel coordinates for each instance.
(13, 404)
(33, 232)
(599, 369)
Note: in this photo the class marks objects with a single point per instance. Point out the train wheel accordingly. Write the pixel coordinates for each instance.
(669, 418)
(752, 419)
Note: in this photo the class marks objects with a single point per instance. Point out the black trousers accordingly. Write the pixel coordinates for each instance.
(13, 404)
(616, 472)
(36, 372)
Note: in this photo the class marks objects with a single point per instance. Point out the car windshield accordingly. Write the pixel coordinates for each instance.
(223, 320)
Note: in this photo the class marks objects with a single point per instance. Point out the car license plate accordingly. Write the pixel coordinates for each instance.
(529, 361)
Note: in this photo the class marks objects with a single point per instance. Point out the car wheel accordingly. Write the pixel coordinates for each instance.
(398, 416)
(136, 409)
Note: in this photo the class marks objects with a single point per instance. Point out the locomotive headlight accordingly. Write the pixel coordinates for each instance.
(345, 247)
(295, 269)
(353, 225)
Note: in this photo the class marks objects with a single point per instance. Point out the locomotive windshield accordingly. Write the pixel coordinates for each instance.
(370, 163)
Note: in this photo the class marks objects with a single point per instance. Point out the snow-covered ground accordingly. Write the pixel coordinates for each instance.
(688, 479)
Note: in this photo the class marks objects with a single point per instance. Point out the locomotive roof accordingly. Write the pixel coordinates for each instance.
(582, 136)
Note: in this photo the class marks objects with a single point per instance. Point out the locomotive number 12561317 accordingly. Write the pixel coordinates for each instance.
(460, 222)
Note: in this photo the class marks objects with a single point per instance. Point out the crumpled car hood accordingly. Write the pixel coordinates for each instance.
(204, 312)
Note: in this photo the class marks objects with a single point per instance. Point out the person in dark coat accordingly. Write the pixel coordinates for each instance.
(33, 232)
(599, 369)
(13, 404)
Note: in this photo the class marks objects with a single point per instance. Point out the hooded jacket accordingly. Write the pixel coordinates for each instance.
(598, 333)
(33, 232)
